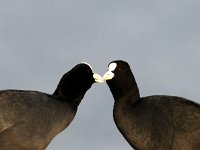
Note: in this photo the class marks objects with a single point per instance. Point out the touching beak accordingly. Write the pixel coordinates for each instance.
(108, 75)
(98, 78)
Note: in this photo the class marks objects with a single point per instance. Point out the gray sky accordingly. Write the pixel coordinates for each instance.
(40, 40)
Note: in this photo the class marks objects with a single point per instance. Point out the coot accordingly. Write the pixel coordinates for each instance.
(153, 122)
(29, 120)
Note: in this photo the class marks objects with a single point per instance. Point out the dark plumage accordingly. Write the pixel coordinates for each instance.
(154, 122)
(29, 120)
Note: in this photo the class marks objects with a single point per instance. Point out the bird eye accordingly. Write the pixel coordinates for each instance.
(88, 70)
(121, 68)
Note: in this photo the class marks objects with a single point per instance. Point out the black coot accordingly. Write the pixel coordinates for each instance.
(154, 122)
(29, 120)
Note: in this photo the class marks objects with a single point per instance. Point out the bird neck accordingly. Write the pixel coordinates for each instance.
(69, 94)
(70, 90)
(128, 93)
(127, 100)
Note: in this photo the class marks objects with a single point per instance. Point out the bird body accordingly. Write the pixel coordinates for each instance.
(172, 126)
(29, 120)
(155, 122)
(32, 118)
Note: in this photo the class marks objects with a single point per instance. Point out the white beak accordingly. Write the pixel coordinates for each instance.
(98, 78)
(108, 75)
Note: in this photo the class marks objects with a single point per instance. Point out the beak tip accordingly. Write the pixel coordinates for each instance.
(98, 78)
(108, 75)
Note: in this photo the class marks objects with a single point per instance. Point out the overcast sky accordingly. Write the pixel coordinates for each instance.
(40, 40)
